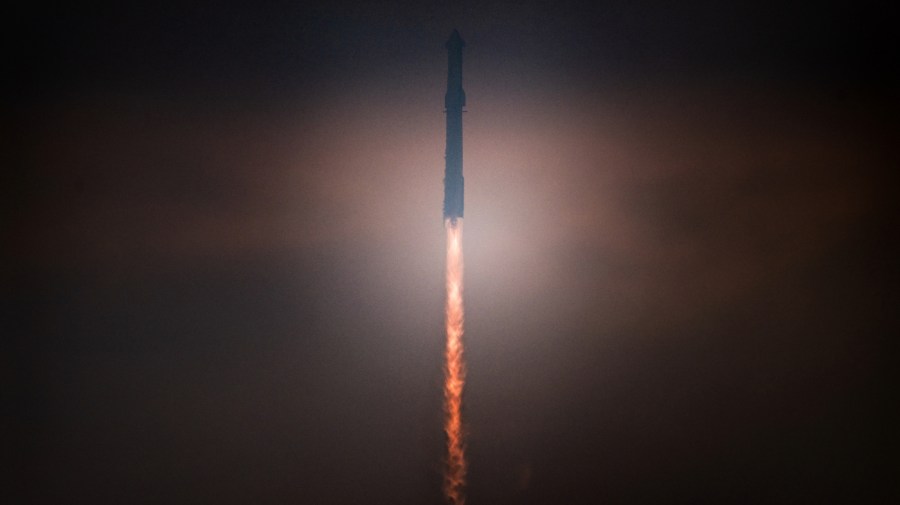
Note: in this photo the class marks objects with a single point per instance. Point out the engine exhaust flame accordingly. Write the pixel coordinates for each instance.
(454, 370)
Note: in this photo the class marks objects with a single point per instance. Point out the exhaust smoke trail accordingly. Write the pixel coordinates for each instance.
(454, 369)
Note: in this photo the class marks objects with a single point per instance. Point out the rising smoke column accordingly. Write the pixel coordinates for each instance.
(454, 368)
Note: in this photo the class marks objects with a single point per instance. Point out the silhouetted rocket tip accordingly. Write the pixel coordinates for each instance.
(455, 41)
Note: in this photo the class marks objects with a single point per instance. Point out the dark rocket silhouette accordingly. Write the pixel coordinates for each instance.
(454, 101)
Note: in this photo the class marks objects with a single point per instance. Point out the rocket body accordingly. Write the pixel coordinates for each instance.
(454, 101)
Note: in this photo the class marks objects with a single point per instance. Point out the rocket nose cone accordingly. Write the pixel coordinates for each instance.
(455, 40)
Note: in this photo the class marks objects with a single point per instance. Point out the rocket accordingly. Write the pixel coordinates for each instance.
(454, 101)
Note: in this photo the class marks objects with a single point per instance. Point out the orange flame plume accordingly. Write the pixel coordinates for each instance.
(454, 371)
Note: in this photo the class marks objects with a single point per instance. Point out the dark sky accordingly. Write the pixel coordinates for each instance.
(226, 253)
